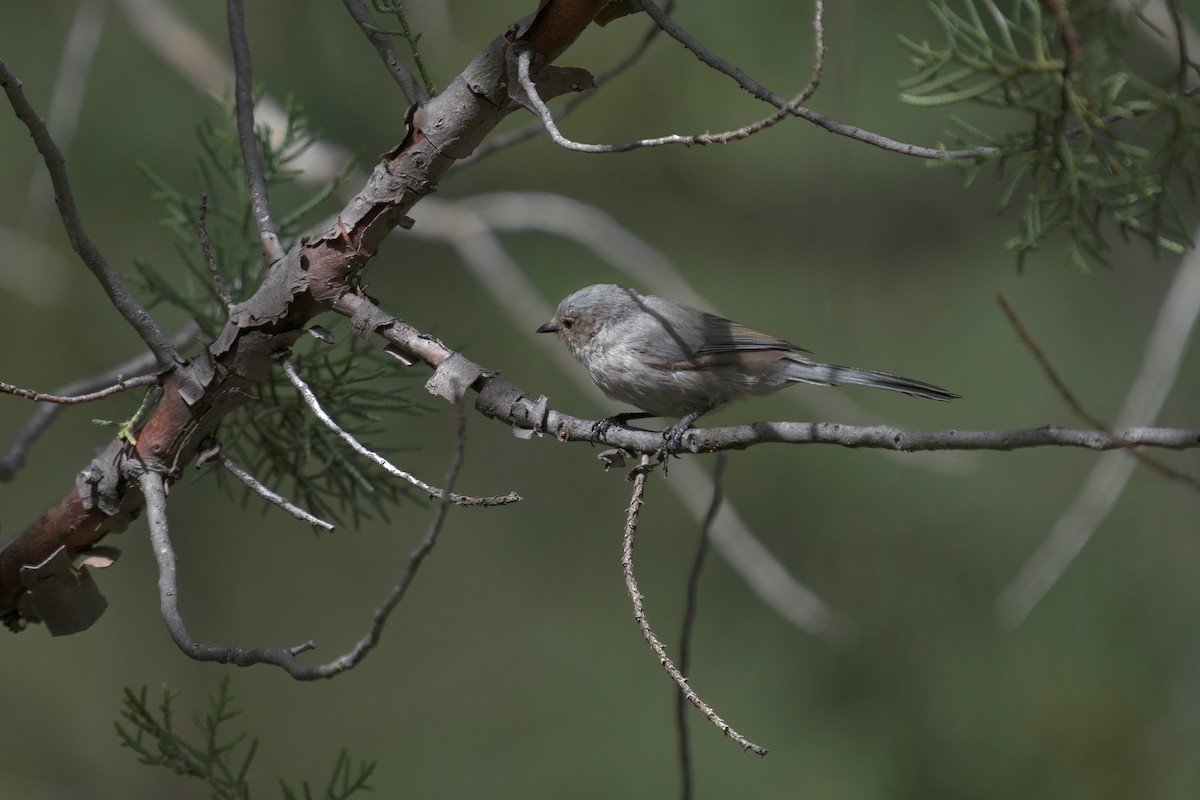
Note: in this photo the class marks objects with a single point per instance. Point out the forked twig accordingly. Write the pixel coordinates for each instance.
(639, 612)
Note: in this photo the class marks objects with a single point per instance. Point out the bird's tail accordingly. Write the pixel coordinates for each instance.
(833, 375)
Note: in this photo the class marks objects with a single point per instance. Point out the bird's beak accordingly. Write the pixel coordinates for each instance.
(549, 327)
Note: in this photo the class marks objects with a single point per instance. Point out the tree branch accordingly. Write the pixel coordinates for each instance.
(408, 83)
(81, 243)
(256, 486)
(243, 92)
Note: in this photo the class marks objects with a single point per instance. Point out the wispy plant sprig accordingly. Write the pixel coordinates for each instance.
(1105, 150)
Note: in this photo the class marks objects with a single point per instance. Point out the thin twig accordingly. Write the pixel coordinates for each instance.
(81, 243)
(40, 420)
(209, 258)
(639, 612)
(154, 491)
(763, 93)
(524, 59)
(689, 617)
(1073, 401)
(415, 559)
(314, 405)
(255, 485)
(243, 93)
(76, 399)
(495, 144)
(408, 83)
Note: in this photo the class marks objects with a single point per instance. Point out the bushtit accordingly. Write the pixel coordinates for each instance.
(671, 360)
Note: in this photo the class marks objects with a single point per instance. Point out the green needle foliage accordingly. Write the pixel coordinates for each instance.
(213, 756)
(1106, 150)
(276, 437)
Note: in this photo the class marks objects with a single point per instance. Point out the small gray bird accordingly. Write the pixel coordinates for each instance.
(671, 360)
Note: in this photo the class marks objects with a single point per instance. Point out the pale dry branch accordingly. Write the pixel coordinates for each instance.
(66, 98)
(81, 243)
(256, 486)
(639, 612)
(314, 405)
(524, 60)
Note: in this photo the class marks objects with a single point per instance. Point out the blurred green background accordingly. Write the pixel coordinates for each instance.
(514, 668)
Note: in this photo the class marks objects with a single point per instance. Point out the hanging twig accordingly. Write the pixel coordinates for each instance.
(639, 612)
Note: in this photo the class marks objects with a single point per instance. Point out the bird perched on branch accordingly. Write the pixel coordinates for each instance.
(672, 360)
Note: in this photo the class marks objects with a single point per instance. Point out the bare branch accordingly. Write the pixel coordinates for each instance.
(81, 243)
(503, 141)
(523, 63)
(415, 559)
(639, 612)
(155, 493)
(76, 399)
(209, 259)
(689, 617)
(243, 93)
(1160, 367)
(271, 497)
(763, 93)
(408, 83)
(314, 405)
(41, 419)
(1074, 403)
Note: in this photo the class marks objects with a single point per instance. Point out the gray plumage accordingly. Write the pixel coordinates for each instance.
(671, 360)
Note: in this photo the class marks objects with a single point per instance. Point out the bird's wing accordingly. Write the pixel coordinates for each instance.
(728, 343)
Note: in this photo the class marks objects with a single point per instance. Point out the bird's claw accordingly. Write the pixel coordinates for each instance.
(673, 436)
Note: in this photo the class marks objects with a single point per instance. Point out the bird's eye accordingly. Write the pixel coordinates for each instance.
(568, 323)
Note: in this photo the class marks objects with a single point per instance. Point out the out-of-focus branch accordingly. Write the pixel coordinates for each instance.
(1160, 366)
(691, 602)
(62, 118)
(639, 613)
(81, 243)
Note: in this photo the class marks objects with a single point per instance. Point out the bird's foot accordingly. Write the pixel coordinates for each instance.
(673, 436)
(601, 427)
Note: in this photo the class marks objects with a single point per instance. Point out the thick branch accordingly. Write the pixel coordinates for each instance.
(303, 284)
